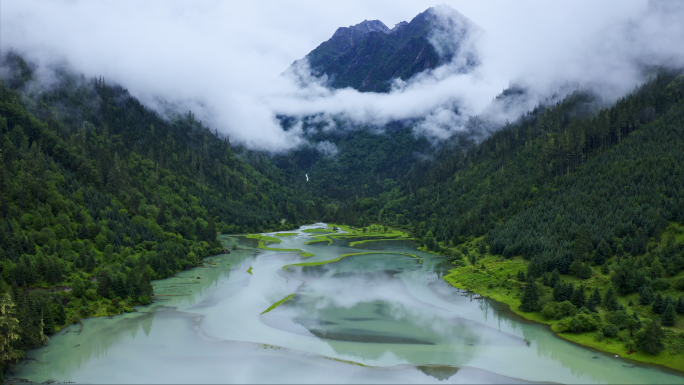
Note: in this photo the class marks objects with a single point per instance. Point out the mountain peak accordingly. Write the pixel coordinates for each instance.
(368, 55)
(355, 32)
(367, 26)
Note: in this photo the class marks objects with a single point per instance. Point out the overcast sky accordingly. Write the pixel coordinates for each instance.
(223, 59)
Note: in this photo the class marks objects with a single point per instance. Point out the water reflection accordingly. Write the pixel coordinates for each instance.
(391, 312)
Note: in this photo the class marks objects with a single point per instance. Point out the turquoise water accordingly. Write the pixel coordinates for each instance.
(381, 317)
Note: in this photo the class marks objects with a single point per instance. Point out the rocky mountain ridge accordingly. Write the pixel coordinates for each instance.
(368, 56)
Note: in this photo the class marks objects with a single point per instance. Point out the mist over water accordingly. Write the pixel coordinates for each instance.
(381, 317)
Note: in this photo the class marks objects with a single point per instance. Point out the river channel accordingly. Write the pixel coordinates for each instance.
(385, 316)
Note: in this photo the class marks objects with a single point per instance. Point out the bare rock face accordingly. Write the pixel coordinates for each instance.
(368, 55)
(343, 40)
(367, 26)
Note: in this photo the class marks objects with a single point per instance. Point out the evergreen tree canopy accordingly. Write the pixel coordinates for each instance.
(650, 338)
(610, 300)
(530, 299)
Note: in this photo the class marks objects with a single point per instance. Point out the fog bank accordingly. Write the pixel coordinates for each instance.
(223, 60)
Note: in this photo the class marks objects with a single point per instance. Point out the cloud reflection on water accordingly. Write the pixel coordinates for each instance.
(423, 330)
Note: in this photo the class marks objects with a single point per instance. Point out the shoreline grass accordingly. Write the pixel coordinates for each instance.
(318, 263)
(318, 231)
(263, 239)
(352, 232)
(352, 244)
(496, 281)
(319, 240)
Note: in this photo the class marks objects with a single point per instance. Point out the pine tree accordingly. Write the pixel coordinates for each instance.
(650, 338)
(145, 284)
(555, 277)
(9, 332)
(78, 287)
(579, 297)
(619, 252)
(610, 300)
(594, 300)
(597, 258)
(103, 284)
(161, 217)
(210, 232)
(645, 295)
(582, 243)
(521, 276)
(656, 269)
(47, 321)
(602, 252)
(134, 203)
(545, 279)
(530, 297)
(60, 312)
(680, 305)
(637, 325)
(669, 316)
(82, 232)
(584, 271)
(89, 263)
(568, 291)
(658, 304)
(605, 269)
(533, 270)
(559, 292)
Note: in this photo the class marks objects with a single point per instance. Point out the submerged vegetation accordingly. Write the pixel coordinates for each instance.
(319, 263)
(275, 305)
(373, 232)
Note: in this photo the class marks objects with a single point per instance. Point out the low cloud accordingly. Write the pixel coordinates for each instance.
(223, 60)
(327, 148)
(441, 123)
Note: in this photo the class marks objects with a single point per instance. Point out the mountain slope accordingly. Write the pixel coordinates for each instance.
(99, 196)
(476, 191)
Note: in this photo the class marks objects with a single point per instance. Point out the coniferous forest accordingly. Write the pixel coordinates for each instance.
(100, 195)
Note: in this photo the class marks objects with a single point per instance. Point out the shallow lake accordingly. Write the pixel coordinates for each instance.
(384, 316)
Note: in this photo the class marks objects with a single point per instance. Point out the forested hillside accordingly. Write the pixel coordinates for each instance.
(594, 203)
(469, 193)
(366, 163)
(99, 195)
